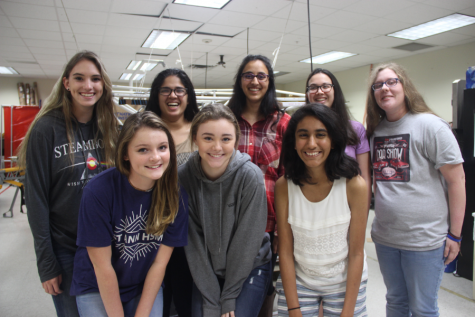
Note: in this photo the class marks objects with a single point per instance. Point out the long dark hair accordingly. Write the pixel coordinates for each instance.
(337, 165)
(153, 105)
(268, 104)
(338, 105)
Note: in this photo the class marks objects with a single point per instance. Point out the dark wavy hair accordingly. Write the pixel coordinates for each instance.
(337, 165)
(153, 105)
(269, 103)
(338, 105)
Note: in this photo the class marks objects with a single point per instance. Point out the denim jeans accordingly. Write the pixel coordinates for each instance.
(91, 305)
(64, 303)
(249, 301)
(412, 280)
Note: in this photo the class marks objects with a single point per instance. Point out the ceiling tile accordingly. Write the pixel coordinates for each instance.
(221, 29)
(4, 22)
(378, 8)
(28, 11)
(279, 25)
(85, 28)
(253, 6)
(40, 35)
(445, 38)
(38, 2)
(133, 21)
(327, 44)
(418, 13)
(382, 26)
(102, 5)
(236, 19)
(10, 32)
(345, 19)
(191, 13)
(41, 43)
(385, 41)
(127, 32)
(319, 31)
(352, 36)
(177, 25)
(455, 5)
(35, 24)
(299, 12)
(18, 56)
(87, 17)
(6, 41)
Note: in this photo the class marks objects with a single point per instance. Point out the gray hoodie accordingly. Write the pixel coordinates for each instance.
(226, 233)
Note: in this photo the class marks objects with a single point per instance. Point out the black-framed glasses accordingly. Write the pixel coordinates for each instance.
(250, 76)
(180, 91)
(391, 82)
(313, 89)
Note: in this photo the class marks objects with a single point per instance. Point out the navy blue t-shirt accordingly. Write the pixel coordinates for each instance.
(113, 213)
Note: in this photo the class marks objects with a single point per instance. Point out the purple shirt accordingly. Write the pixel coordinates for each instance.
(363, 146)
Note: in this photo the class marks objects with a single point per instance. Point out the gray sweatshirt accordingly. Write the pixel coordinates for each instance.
(226, 233)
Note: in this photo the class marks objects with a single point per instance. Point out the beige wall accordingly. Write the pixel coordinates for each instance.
(432, 73)
(9, 90)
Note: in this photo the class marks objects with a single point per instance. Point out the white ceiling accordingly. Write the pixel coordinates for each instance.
(38, 36)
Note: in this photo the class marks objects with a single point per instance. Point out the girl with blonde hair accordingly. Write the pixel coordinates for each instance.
(419, 187)
(71, 140)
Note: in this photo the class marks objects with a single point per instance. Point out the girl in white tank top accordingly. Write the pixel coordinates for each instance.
(321, 209)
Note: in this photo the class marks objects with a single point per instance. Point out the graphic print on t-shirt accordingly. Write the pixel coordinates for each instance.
(391, 158)
(131, 239)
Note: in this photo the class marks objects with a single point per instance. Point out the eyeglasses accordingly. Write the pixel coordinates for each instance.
(391, 82)
(313, 89)
(250, 76)
(180, 92)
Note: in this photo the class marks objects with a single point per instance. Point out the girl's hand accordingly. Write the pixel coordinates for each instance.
(230, 314)
(52, 286)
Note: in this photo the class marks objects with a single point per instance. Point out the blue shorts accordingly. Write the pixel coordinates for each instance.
(332, 301)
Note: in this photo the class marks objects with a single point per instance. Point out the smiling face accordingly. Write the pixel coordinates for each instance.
(172, 107)
(312, 142)
(149, 154)
(215, 140)
(254, 89)
(85, 85)
(325, 98)
(390, 99)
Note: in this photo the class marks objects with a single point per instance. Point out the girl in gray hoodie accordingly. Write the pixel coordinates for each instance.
(228, 250)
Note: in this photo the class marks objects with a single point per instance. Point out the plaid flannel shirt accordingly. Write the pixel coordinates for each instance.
(263, 143)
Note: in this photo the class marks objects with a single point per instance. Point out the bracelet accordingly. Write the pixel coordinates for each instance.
(293, 308)
(453, 237)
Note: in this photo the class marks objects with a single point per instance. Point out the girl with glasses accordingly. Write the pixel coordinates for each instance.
(419, 187)
(173, 99)
(262, 124)
(131, 217)
(229, 253)
(71, 140)
(321, 211)
(324, 88)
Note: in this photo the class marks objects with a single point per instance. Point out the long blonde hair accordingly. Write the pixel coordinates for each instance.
(60, 98)
(413, 99)
(165, 195)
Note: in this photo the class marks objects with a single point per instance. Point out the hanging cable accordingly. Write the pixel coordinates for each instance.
(178, 47)
(309, 36)
(276, 52)
(69, 22)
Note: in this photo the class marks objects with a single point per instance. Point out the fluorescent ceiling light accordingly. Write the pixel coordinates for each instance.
(148, 67)
(8, 70)
(138, 76)
(125, 76)
(165, 40)
(216, 4)
(328, 57)
(445, 24)
(133, 65)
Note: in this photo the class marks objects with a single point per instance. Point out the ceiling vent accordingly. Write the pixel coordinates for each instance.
(199, 66)
(412, 47)
(277, 74)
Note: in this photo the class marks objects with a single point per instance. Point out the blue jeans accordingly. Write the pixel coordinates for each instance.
(64, 303)
(91, 305)
(412, 280)
(249, 301)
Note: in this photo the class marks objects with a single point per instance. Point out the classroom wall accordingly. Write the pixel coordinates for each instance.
(432, 74)
(9, 90)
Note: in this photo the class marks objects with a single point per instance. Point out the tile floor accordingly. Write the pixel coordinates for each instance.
(21, 294)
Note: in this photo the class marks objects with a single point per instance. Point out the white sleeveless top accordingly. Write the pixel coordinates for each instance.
(320, 233)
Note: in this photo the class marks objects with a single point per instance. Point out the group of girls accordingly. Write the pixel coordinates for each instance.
(185, 209)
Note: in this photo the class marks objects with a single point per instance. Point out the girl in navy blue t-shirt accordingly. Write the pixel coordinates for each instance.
(131, 217)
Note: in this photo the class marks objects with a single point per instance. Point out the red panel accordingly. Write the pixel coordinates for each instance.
(22, 118)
